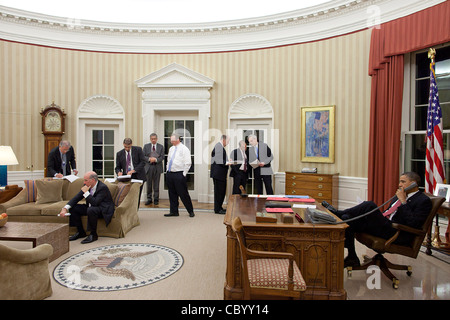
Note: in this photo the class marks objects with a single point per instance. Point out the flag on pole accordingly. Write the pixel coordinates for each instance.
(434, 172)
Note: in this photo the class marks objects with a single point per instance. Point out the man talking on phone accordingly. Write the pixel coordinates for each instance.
(99, 203)
(410, 207)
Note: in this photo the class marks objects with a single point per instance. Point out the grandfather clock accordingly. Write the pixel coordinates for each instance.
(53, 126)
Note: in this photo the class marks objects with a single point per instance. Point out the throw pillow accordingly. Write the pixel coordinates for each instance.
(49, 191)
(30, 187)
(122, 191)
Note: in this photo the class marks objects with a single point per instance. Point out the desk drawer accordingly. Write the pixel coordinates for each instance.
(303, 185)
(316, 194)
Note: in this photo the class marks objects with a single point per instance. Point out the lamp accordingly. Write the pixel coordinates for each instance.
(7, 157)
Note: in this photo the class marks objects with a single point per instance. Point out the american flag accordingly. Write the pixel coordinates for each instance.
(435, 158)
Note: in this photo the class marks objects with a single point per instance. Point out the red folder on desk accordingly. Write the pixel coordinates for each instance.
(277, 199)
(279, 210)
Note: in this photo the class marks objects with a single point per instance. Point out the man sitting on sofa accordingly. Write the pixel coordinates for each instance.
(99, 203)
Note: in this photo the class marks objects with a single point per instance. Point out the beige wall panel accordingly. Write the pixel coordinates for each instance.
(332, 71)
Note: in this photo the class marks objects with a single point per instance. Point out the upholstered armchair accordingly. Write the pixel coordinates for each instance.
(24, 274)
(267, 273)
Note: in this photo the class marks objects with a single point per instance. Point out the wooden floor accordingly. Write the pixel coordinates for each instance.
(164, 204)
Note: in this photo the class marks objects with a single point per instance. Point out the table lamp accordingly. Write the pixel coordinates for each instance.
(7, 157)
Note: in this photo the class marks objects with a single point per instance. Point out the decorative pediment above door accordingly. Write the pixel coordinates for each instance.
(175, 82)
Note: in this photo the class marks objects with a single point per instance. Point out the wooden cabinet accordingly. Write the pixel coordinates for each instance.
(318, 186)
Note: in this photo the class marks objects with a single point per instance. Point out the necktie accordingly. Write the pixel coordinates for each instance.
(392, 209)
(153, 149)
(91, 191)
(171, 160)
(63, 165)
(245, 162)
(128, 162)
(257, 152)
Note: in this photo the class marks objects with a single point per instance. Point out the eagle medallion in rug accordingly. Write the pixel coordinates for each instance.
(118, 267)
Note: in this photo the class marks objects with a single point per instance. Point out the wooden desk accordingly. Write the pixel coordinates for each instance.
(318, 249)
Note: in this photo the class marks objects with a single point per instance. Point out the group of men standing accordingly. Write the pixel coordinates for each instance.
(258, 156)
(146, 164)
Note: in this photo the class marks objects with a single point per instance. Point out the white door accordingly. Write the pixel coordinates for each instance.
(187, 125)
(101, 145)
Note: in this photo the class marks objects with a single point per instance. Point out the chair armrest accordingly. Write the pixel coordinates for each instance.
(402, 227)
(19, 199)
(255, 254)
(27, 256)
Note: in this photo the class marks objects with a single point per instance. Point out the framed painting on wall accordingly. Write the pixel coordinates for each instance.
(317, 134)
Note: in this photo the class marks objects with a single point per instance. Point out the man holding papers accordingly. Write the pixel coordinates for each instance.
(131, 161)
(259, 157)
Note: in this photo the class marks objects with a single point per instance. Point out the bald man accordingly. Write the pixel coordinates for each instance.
(99, 203)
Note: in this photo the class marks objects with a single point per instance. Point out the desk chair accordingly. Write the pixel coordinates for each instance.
(382, 246)
(267, 273)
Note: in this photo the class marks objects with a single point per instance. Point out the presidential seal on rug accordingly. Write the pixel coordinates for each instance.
(117, 267)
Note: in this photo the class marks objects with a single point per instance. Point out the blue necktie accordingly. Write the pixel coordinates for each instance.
(171, 160)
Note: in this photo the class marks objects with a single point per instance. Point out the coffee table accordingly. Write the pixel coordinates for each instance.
(55, 234)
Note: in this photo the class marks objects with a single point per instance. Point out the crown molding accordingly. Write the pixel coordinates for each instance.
(327, 20)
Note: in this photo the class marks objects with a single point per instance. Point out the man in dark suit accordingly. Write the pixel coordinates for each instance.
(131, 161)
(260, 152)
(219, 173)
(239, 168)
(154, 156)
(99, 203)
(411, 208)
(61, 161)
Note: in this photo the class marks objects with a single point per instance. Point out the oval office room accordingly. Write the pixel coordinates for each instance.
(292, 115)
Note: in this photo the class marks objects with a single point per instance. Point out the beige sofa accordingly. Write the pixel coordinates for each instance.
(24, 273)
(42, 200)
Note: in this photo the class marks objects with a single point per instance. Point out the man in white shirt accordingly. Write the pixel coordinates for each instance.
(178, 165)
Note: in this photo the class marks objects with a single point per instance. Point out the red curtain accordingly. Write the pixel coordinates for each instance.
(388, 45)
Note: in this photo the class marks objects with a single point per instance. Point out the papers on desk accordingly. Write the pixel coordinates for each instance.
(297, 205)
(124, 177)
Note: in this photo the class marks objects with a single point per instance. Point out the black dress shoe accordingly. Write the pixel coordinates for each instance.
(90, 238)
(221, 212)
(156, 202)
(329, 207)
(149, 202)
(77, 236)
(351, 262)
(171, 214)
(191, 214)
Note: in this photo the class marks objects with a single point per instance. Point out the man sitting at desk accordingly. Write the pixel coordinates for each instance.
(411, 208)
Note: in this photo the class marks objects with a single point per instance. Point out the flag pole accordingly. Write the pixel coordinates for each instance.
(436, 241)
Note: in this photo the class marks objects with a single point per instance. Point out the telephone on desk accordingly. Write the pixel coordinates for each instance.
(318, 216)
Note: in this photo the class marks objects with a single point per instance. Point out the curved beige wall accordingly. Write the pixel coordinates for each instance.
(332, 71)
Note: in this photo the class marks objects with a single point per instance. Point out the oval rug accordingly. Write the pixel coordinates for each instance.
(117, 267)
